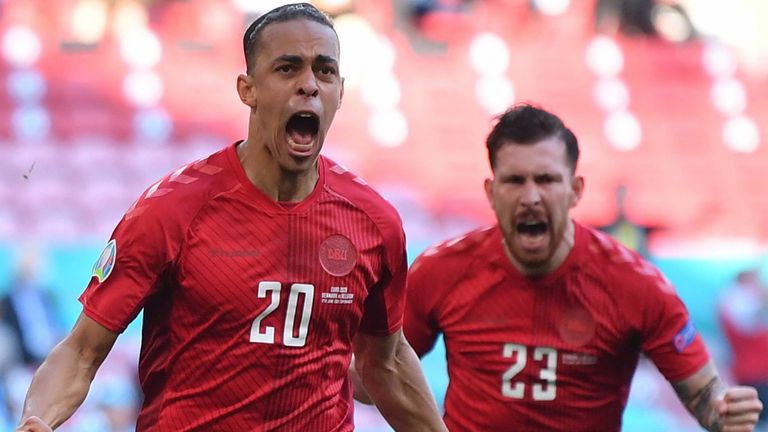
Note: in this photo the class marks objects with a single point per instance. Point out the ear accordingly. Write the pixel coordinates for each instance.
(488, 184)
(577, 185)
(341, 96)
(246, 90)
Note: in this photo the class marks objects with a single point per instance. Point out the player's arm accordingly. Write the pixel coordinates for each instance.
(716, 406)
(391, 373)
(359, 392)
(358, 389)
(61, 383)
(418, 328)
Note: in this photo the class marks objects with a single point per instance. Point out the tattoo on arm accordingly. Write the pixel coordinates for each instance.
(699, 403)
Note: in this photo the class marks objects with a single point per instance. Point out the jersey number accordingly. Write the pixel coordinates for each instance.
(266, 334)
(541, 391)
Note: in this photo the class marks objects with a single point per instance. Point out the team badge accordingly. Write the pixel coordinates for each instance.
(577, 326)
(338, 255)
(106, 262)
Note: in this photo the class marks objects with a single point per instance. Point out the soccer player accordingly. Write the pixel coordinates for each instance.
(544, 318)
(260, 269)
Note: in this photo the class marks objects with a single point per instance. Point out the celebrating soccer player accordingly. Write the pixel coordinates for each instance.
(260, 270)
(544, 318)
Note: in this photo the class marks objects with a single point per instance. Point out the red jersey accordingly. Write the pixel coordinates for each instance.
(552, 353)
(250, 307)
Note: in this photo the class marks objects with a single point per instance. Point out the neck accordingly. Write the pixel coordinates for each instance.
(267, 175)
(555, 261)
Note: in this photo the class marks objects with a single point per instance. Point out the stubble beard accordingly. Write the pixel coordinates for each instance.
(526, 266)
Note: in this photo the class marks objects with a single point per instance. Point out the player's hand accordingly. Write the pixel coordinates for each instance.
(33, 424)
(739, 409)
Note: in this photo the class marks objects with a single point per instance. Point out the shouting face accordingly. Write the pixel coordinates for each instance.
(532, 192)
(294, 90)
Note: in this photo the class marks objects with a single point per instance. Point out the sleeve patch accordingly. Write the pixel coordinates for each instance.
(685, 336)
(106, 262)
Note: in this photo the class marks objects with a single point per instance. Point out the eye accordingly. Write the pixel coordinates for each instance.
(284, 68)
(548, 179)
(328, 70)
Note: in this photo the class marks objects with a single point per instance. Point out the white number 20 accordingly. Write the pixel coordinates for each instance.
(516, 390)
(267, 333)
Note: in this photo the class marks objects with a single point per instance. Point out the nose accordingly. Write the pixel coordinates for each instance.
(307, 85)
(531, 195)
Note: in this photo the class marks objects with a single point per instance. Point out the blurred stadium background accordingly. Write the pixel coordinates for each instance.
(100, 98)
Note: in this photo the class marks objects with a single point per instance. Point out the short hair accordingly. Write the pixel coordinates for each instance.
(280, 14)
(527, 124)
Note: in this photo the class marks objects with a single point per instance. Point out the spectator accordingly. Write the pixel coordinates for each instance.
(28, 310)
(743, 313)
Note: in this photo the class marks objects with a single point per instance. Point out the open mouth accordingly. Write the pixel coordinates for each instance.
(532, 228)
(302, 129)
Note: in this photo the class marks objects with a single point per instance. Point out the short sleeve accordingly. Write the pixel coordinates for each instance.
(670, 338)
(126, 274)
(419, 325)
(383, 310)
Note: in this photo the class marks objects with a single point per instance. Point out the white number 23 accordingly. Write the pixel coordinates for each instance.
(545, 391)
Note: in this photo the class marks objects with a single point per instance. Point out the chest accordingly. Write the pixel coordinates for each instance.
(279, 274)
(567, 328)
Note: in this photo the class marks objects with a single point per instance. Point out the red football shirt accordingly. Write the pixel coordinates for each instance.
(551, 353)
(250, 307)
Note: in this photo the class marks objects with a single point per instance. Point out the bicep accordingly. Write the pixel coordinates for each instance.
(380, 359)
(375, 349)
(90, 340)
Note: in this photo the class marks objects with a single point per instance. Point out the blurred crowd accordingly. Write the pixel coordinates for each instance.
(33, 318)
(31, 323)
(743, 315)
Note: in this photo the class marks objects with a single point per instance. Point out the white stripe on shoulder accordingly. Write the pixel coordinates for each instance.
(338, 169)
(455, 241)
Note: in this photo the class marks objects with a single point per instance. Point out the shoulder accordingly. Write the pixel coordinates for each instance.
(179, 195)
(624, 268)
(455, 255)
(356, 191)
